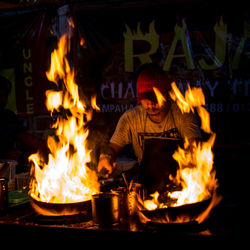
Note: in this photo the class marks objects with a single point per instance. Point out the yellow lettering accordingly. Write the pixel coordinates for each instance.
(30, 108)
(180, 35)
(28, 97)
(26, 54)
(238, 52)
(152, 38)
(28, 81)
(27, 67)
(220, 48)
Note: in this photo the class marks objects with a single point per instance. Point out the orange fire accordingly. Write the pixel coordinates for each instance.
(196, 173)
(194, 98)
(196, 159)
(66, 177)
(160, 98)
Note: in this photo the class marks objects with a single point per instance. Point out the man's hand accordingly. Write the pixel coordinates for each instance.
(105, 166)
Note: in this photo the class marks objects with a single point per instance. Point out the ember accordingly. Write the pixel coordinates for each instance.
(65, 178)
(195, 174)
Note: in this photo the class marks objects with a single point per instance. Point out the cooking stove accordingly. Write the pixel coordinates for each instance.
(224, 223)
(58, 220)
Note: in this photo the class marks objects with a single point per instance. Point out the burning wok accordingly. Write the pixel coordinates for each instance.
(60, 209)
(198, 212)
(180, 214)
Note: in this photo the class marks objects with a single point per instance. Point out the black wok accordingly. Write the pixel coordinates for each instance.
(60, 209)
(180, 214)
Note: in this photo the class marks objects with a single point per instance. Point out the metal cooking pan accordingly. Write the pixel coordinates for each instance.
(188, 212)
(60, 209)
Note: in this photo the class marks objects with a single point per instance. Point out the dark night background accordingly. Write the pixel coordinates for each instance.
(30, 31)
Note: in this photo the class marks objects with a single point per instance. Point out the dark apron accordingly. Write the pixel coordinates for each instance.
(158, 164)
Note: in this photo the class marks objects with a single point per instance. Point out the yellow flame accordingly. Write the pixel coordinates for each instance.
(160, 98)
(196, 173)
(152, 204)
(66, 177)
(194, 98)
(93, 103)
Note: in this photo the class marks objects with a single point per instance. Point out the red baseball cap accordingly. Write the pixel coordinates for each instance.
(151, 75)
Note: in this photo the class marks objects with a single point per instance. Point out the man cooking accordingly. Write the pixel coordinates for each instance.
(155, 131)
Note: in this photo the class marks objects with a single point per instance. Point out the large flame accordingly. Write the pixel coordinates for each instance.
(66, 177)
(195, 161)
(194, 98)
(196, 173)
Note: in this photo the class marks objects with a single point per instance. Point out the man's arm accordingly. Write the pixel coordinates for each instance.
(107, 164)
(119, 139)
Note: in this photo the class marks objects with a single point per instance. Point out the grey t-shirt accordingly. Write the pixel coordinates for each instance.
(134, 126)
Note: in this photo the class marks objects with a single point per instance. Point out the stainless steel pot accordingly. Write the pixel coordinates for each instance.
(128, 199)
(105, 209)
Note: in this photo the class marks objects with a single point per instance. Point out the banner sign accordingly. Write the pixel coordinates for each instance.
(196, 44)
(23, 50)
